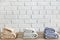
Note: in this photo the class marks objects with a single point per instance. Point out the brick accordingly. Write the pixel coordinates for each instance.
(50, 7)
(58, 0)
(2, 12)
(1, 26)
(12, 25)
(29, 12)
(53, 16)
(50, 25)
(55, 3)
(17, 21)
(1, 0)
(9, 12)
(51, 0)
(24, 25)
(37, 0)
(58, 8)
(42, 12)
(47, 24)
(22, 12)
(49, 12)
(30, 3)
(30, 21)
(57, 19)
(42, 29)
(1, 16)
(36, 29)
(48, 17)
(36, 25)
(24, 16)
(35, 12)
(58, 16)
(37, 7)
(17, 3)
(55, 12)
(10, 8)
(53, 19)
(15, 12)
(58, 25)
(24, 0)
(43, 4)
(37, 16)
(10, 0)
(5, 4)
(5, 21)
(52, 12)
(10, 17)
(1, 8)
(42, 21)
(24, 7)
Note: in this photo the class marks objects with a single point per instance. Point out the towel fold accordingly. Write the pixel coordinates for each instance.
(49, 30)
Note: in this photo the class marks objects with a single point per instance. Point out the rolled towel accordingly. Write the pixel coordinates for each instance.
(9, 31)
(49, 30)
(50, 33)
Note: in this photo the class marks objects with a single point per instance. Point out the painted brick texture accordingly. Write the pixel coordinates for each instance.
(37, 14)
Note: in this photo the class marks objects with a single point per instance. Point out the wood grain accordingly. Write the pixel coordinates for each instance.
(40, 37)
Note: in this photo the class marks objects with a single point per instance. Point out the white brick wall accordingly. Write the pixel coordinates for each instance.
(37, 14)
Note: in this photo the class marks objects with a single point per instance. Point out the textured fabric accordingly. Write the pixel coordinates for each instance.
(49, 30)
(50, 33)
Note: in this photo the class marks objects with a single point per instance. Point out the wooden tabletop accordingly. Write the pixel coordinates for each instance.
(40, 37)
(36, 39)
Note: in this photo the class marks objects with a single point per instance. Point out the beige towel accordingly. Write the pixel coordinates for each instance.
(8, 33)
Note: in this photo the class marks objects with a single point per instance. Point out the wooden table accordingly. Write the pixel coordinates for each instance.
(40, 37)
(36, 39)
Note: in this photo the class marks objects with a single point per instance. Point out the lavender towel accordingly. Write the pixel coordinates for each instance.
(50, 33)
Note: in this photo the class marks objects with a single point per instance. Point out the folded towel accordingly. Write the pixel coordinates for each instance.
(49, 30)
(50, 33)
